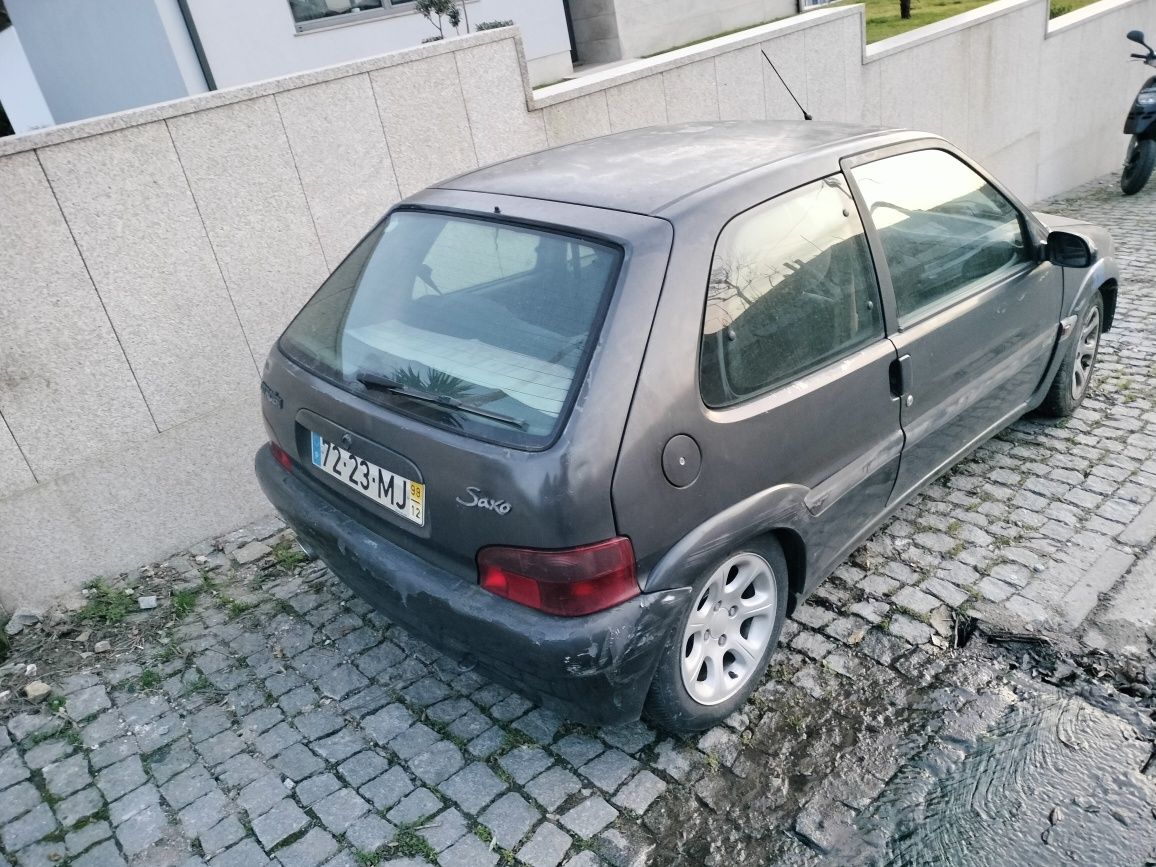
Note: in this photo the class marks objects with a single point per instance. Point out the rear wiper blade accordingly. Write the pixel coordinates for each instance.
(393, 386)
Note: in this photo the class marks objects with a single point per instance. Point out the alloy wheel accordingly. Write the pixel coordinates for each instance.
(729, 629)
(1087, 345)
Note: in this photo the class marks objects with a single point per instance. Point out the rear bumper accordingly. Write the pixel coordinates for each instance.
(595, 669)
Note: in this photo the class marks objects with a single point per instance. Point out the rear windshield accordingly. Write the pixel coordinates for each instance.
(478, 325)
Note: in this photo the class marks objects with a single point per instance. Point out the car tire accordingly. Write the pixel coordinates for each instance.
(1138, 165)
(700, 681)
(1072, 380)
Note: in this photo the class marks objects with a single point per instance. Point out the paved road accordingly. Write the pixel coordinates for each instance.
(262, 714)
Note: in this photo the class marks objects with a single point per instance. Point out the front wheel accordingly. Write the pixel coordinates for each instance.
(1138, 165)
(719, 651)
(1075, 373)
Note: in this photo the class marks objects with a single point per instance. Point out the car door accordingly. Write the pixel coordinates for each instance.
(973, 314)
(794, 360)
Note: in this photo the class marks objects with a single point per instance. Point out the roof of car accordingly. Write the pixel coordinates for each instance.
(644, 170)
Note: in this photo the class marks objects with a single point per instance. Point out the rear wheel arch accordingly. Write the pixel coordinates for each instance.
(1108, 291)
(795, 552)
(671, 703)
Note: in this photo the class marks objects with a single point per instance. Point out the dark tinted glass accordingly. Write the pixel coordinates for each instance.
(792, 288)
(945, 230)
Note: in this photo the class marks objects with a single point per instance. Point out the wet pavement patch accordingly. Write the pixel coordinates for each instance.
(1054, 780)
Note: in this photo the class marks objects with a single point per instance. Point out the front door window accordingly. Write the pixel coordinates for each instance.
(944, 229)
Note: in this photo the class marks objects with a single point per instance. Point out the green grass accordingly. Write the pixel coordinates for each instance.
(235, 608)
(1063, 8)
(106, 605)
(288, 555)
(149, 679)
(883, 15)
(408, 843)
(201, 684)
(513, 738)
(184, 601)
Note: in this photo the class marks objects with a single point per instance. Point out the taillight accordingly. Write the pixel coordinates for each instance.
(570, 582)
(281, 455)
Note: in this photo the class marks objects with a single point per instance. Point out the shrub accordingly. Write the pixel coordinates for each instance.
(435, 10)
(492, 25)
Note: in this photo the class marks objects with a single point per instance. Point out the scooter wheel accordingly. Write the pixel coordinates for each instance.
(1138, 165)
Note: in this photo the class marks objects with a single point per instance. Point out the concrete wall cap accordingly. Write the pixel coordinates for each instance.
(1093, 10)
(648, 66)
(229, 96)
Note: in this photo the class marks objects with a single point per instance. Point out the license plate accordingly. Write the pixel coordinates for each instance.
(396, 493)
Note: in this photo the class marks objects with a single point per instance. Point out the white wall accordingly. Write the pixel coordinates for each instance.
(97, 58)
(647, 26)
(19, 93)
(181, 46)
(150, 258)
(596, 31)
(256, 39)
(612, 29)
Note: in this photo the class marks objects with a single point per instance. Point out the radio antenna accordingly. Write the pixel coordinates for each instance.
(786, 87)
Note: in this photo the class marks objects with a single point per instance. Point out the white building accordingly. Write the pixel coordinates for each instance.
(607, 30)
(67, 60)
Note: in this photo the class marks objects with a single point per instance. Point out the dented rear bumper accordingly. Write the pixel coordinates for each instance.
(594, 669)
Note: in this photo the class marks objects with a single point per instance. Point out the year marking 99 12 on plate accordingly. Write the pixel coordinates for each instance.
(396, 493)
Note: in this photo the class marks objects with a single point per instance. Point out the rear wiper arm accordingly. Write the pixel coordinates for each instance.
(393, 386)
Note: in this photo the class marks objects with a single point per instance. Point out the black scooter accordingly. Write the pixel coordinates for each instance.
(1141, 124)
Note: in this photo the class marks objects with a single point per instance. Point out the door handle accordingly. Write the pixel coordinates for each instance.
(901, 378)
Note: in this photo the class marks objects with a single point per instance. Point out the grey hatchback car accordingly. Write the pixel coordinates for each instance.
(596, 419)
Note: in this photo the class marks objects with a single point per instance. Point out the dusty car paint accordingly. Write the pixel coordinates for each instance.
(819, 463)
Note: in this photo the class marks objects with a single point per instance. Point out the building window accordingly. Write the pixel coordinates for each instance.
(314, 14)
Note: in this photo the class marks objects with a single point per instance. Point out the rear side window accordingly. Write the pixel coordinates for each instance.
(490, 322)
(945, 230)
(792, 288)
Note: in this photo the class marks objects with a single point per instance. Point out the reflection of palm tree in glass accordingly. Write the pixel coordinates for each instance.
(434, 382)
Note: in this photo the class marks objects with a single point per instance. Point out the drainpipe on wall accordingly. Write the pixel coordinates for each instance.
(198, 48)
(570, 31)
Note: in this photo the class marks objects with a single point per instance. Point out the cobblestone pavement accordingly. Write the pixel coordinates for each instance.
(263, 714)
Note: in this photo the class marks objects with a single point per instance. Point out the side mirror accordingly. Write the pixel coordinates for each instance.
(1069, 250)
(1137, 36)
